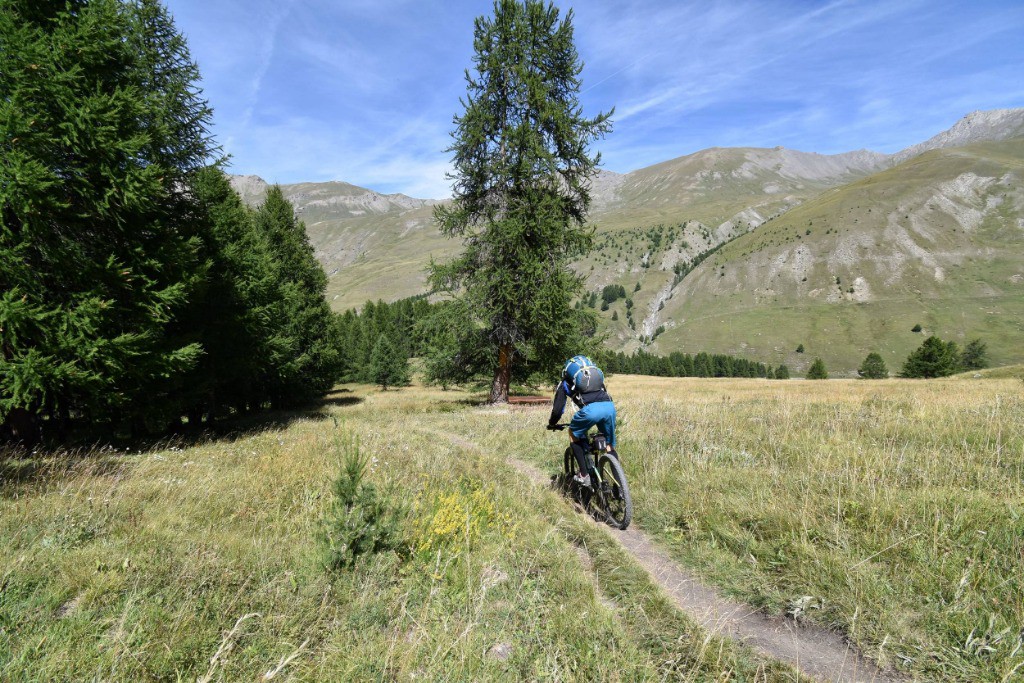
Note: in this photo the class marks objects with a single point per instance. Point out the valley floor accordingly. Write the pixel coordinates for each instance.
(892, 511)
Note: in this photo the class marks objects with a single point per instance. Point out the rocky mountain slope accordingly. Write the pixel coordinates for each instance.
(372, 246)
(378, 246)
(978, 126)
(937, 241)
(835, 251)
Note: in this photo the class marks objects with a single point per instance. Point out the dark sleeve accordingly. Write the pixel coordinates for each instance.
(559, 404)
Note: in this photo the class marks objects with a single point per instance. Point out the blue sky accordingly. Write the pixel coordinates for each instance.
(365, 90)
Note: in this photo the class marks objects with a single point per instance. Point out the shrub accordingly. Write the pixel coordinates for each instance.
(360, 521)
(916, 328)
(453, 519)
(800, 348)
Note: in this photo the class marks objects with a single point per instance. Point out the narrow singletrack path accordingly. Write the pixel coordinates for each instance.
(815, 651)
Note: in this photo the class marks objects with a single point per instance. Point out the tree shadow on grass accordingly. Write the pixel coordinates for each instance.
(343, 401)
(38, 468)
(116, 454)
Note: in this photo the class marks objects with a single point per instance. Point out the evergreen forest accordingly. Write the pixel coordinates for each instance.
(137, 293)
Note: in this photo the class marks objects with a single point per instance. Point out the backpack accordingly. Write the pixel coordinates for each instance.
(582, 375)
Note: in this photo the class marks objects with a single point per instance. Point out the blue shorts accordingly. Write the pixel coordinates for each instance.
(601, 414)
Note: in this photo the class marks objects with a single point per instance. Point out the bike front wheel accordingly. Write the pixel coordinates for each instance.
(613, 492)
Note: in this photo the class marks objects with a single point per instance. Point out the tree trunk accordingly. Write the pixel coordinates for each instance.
(22, 427)
(503, 376)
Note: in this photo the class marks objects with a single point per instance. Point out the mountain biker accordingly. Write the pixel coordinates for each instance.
(583, 382)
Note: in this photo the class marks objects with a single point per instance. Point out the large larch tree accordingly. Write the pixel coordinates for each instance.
(521, 191)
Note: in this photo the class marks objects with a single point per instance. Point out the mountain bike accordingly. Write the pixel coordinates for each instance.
(607, 498)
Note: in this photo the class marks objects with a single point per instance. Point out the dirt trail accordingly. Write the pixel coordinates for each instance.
(816, 652)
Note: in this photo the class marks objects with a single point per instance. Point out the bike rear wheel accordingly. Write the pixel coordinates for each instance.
(613, 492)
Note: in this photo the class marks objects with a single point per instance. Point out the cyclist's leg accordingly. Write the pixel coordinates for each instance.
(603, 415)
(580, 452)
(578, 426)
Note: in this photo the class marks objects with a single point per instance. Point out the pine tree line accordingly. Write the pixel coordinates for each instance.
(135, 289)
(678, 364)
(938, 358)
(393, 329)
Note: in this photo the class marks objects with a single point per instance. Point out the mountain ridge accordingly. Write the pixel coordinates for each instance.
(993, 124)
(654, 223)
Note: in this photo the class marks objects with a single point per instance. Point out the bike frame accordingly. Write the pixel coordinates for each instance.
(596, 446)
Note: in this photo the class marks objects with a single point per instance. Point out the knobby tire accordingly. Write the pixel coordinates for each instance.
(613, 497)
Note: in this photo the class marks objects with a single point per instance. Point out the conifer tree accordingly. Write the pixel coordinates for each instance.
(703, 365)
(521, 190)
(782, 372)
(817, 370)
(455, 348)
(388, 366)
(975, 355)
(232, 313)
(873, 367)
(101, 128)
(305, 352)
(934, 358)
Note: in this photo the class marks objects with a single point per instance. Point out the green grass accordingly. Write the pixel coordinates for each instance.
(203, 563)
(1005, 372)
(894, 505)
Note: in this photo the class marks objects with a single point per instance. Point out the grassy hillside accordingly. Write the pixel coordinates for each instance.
(378, 246)
(728, 185)
(937, 241)
(812, 252)
(1004, 372)
(372, 246)
(890, 510)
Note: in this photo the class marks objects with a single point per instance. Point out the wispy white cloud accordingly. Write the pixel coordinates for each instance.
(364, 90)
(278, 12)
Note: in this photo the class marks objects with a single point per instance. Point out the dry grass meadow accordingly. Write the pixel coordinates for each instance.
(891, 510)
